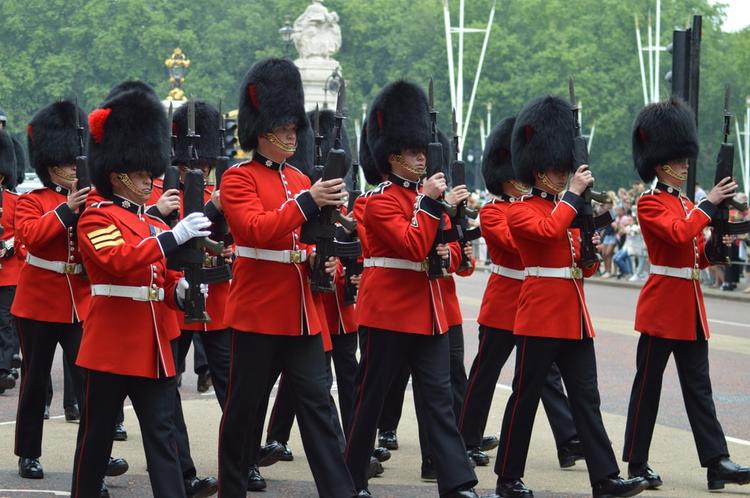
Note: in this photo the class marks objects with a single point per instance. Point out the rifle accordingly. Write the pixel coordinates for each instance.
(352, 265)
(82, 168)
(317, 171)
(437, 267)
(462, 213)
(321, 230)
(585, 220)
(718, 252)
(171, 181)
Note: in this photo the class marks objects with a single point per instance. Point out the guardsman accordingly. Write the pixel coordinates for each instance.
(498, 311)
(541, 152)
(45, 224)
(9, 259)
(401, 222)
(124, 251)
(664, 139)
(270, 309)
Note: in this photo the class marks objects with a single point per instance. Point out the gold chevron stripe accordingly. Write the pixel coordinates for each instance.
(101, 231)
(109, 243)
(111, 236)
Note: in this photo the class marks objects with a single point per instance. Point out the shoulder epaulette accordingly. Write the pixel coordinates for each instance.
(101, 204)
(381, 188)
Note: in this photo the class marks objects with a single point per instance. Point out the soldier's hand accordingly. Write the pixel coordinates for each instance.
(434, 186)
(457, 194)
(443, 251)
(356, 279)
(216, 199)
(596, 239)
(723, 190)
(168, 202)
(582, 179)
(728, 239)
(330, 266)
(469, 251)
(329, 192)
(191, 226)
(77, 198)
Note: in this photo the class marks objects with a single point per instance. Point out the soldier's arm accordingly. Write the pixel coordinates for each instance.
(37, 229)
(411, 238)
(250, 221)
(495, 229)
(671, 228)
(525, 220)
(170, 285)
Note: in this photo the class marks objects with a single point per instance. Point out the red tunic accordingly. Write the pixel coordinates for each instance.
(334, 314)
(549, 307)
(217, 293)
(672, 229)
(500, 299)
(401, 224)
(45, 226)
(265, 207)
(11, 265)
(448, 285)
(121, 335)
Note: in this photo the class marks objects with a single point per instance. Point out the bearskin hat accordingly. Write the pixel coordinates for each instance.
(207, 121)
(366, 161)
(304, 156)
(129, 132)
(306, 141)
(496, 164)
(398, 119)
(22, 162)
(542, 138)
(127, 85)
(7, 160)
(663, 131)
(271, 96)
(53, 138)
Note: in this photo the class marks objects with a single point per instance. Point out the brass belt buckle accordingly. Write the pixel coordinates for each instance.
(69, 268)
(695, 274)
(153, 294)
(424, 265)
(295, 256)
(576, 273)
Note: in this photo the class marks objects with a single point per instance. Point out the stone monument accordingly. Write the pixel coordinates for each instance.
(317, 38)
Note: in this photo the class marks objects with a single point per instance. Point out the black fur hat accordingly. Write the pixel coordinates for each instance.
(53, 138)
(304, 156)
(22, 162)
(306, 141)
(127, 85)
(207, 121)
(542, 138)
(366, 161)
(663, 131)
(398, 119)
(497, 166)
(7, 160)
(271, 96)
(129, 132)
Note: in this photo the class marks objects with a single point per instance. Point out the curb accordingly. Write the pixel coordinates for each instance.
(736, 295)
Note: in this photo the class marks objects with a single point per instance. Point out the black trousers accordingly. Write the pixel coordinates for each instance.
(38, 343)
(344, 356)
(200, 358)
(428, 357)
(153, 402)
(69, 396)
(495, 347)
(254, 359)
(577, 362)
(691, 360)
(8, 336)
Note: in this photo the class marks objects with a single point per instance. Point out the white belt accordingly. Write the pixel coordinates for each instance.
(669, 271)
(507, 272)
(399, 264)
(55, 266)
(286, 256)
(567, 272)
(129, 291)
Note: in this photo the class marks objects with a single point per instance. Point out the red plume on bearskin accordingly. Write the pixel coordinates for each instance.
(399, 119)
(53, 138)
(207, 126)
(663, 131)
(134, 136)
(271, 96)
(542, 138)
(97, 118)
(497, 166)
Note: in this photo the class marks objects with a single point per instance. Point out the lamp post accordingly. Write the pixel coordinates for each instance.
(332, 84)
(177, 65)
(286, 31)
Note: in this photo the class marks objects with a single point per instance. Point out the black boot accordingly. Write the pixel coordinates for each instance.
(201, 487)
(30, 468)
(643, 470)
(568, 453)
(375, 468)
(428, 470)
(255, 481)
(513, 488)
(116, 467)
(478, 456)
(270, 453)
(120, 434)
(724, 471)
(617, 486)
(382, 454)
(489, 443)
(388, 439)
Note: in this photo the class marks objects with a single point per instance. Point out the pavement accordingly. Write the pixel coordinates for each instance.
(612, 306)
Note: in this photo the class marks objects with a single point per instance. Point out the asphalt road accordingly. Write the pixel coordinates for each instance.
(612, 309)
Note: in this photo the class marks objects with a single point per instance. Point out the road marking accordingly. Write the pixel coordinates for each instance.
(56, 417)
(734, 324)
(38, 491)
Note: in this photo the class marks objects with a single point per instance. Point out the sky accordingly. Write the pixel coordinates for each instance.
(738, 14)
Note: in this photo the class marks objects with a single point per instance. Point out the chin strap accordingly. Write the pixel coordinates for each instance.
(668, 170)
(280, 144)
(547, 183)
(68, 177)
(125, 180)
(408, 167)
(523, 189)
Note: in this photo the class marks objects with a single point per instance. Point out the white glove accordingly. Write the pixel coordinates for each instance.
(191, 226)
(183, 286)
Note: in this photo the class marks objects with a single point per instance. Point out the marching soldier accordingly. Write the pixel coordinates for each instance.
(270, 309)
(45, 224)
(124, 252)
(541, 152)
(498, 311)
(664, 138)
(401, 224)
